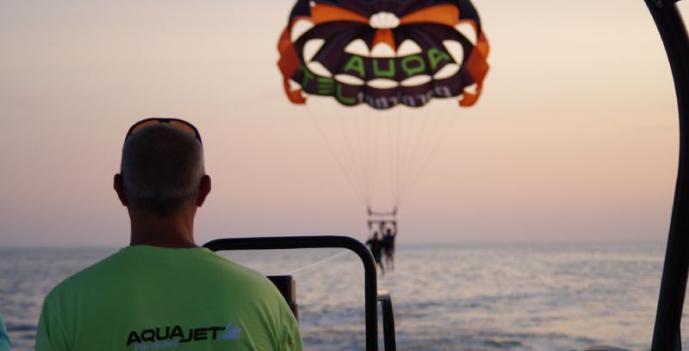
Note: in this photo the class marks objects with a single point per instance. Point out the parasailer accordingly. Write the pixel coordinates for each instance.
(382, 54)
(375, 244)
(389, 244)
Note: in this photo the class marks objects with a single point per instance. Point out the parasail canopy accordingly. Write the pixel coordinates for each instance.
(384, 52)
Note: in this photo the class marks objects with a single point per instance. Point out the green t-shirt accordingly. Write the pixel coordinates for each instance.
(150, 298)
(4, 339)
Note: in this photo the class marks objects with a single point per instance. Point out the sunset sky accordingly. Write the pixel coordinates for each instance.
(574, 138)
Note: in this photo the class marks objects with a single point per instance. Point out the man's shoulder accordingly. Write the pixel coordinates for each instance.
(132, 262)
(77, 280)
(244, 283)
(237, 274)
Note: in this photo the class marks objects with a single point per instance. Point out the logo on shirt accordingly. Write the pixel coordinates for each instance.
(171, 337)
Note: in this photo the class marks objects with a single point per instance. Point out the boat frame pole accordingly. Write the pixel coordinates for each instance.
(666, 334)
(320, 242)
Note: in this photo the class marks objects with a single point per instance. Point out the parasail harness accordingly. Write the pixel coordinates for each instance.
(382, 220)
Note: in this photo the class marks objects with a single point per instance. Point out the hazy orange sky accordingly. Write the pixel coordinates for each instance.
(574, 138)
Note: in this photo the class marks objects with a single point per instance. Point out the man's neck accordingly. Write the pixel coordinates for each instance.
(176, 231)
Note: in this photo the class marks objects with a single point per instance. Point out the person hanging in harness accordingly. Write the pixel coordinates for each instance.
(389, 243)
(375, 244)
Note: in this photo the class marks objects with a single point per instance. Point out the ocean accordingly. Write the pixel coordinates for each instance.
(477, 297)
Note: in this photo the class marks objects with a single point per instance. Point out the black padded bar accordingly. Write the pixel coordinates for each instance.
(319, 242)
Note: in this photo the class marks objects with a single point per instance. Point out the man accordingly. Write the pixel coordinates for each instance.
(389, 244)
(4, 338)
(163, 292)
(375, 244)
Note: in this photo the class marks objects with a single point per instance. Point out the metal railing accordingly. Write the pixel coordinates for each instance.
(389, 339)
(321, 242)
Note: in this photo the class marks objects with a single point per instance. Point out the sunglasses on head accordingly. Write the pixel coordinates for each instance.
(175, 123)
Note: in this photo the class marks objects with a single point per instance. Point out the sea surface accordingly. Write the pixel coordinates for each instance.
(446, 297)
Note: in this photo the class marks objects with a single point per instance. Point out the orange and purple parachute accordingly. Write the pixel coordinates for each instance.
(384, 52)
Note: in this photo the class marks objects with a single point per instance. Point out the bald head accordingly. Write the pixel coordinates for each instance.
(161, 170)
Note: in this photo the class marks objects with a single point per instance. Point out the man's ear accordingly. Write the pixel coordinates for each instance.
(204, 189)
(118, 184)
